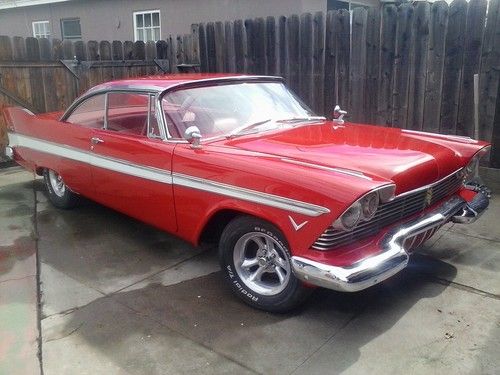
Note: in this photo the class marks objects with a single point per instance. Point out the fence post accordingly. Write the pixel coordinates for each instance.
(357, 72)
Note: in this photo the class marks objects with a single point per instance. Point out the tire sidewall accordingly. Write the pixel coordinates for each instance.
(66, 201)
(231, 235)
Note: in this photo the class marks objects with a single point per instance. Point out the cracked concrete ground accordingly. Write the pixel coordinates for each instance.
(119, 297)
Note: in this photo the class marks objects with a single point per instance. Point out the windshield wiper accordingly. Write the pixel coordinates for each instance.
(245, 128)
(239, 130)
(298, 119)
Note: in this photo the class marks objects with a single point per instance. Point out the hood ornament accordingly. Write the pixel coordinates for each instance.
(338, 115)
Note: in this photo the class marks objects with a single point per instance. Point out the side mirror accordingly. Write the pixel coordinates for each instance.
(193, 136)
(338, 114)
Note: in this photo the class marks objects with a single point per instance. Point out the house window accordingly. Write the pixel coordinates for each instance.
(41, 29)
(70, 28)
(344, 4)
(147, 25)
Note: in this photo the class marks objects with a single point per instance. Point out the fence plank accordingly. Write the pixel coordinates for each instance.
(230, 59)
(219, 47)
(202, 45)
(282, 48)
(318, 62)
(117, 55)
(343, 56)
(402, 65)
(454, 54)
(387, 65)
(49, 85)
(57, 50)
(250, 46)
(293, 28)
(94, 73)
(195, 43)
(239, 46)
(128, 51)
(473, 39)
(68, 50)
(5, 48)
(306, 55)
(106, 55)
(211, 52)
(270, 46)
(418, 66)
(490, 72)
(139, 53)
(330, 85)
(36, 79)
(372, 64)
(495, 139)
(259, 43)
(434, 83)
(18, 49)
(357, 72)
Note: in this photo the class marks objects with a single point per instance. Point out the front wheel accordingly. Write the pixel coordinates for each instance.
(59, 193)
(255, 260)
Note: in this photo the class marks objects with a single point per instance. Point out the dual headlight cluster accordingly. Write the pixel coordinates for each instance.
(471, 171)
(361, 210)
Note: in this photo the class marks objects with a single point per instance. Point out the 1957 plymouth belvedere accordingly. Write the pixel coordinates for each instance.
(294, 201)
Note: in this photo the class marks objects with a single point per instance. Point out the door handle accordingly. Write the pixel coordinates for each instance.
(96, 140)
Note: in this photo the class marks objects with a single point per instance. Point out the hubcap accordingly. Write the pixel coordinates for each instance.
(57, 183)
(261, 263)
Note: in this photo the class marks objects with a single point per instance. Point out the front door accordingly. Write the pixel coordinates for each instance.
(131, 164)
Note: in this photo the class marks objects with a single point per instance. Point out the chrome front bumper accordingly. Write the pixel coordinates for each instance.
(393, 256)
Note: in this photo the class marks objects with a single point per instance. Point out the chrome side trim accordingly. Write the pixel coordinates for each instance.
(391, 259)
(165, 176)
(249, 195)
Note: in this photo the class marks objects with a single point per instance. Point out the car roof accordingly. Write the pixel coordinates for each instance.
(160, 83)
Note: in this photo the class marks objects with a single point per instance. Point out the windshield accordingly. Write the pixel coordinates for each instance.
(233, 109)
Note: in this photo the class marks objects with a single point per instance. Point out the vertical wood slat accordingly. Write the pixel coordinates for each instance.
(117, 55)
(49, 86)
(239, 46)
(305, 60)
(36, 77)
(490, 73)
(95, 72)
(259, 43)
(435, 63)
(343, 56)
(150, 56)
(212, 61)
(418, 66)
(402, 65)
(330, 84)
(357, 72)
(293, 32)
(219, 47)
(106, 55)
(202, 44)
(282, 48)
(270, 46)
(472, 53)
(453, 60)
(318, 62)
(250, 46)
(230, 58)
(387, 64)
(372, 64)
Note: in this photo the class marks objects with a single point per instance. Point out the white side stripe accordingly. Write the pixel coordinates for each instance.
(166, 177)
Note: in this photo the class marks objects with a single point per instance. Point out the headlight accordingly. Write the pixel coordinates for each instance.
(369, 204)
(364, 208)
(471, 170)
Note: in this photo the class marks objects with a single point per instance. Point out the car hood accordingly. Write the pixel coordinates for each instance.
(409, 159)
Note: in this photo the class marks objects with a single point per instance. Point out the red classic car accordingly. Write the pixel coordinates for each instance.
(294, 201)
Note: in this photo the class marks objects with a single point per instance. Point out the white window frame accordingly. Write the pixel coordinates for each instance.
(47, 30)
(142, 12)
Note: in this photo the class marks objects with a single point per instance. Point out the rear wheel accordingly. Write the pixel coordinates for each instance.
(59, 193)
(255, 259)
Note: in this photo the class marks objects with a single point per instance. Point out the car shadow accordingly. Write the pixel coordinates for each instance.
(99, 246)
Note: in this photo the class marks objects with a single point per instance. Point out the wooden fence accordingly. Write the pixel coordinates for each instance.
(409, 66)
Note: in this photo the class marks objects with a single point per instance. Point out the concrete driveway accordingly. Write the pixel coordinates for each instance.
(119, 297)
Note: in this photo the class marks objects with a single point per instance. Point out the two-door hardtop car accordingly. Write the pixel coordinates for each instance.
(294, 201)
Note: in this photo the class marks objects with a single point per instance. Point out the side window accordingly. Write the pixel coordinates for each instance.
(89, 113)
(128, 113)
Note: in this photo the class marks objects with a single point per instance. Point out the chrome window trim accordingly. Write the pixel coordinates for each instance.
(203, 82)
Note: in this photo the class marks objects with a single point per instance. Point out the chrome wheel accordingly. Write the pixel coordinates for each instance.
(261, 263)
(57, 183)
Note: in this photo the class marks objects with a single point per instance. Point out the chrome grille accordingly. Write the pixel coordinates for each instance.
(401, 207)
